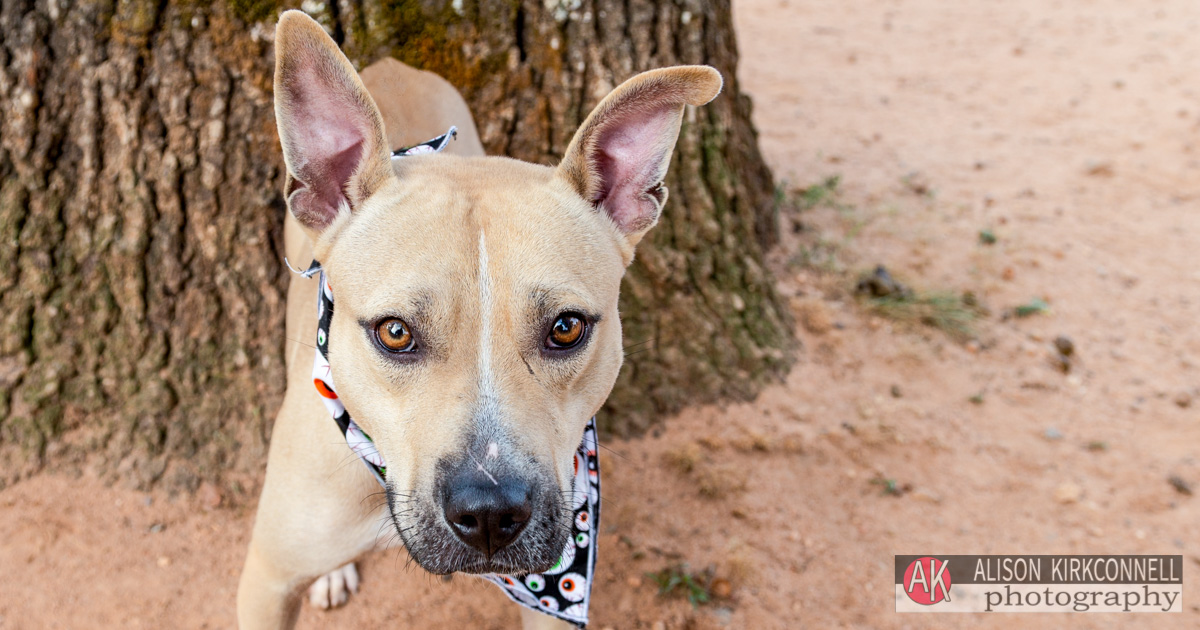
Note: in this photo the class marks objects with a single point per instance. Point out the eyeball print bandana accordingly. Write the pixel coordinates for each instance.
(564, 590)
(429, 146)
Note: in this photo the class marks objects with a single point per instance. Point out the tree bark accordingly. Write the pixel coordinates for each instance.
(142, 293)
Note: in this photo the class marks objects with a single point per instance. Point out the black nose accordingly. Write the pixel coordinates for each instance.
(487, 515)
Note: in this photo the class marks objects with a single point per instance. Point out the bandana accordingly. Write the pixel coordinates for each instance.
(564, 590)
(429, 146)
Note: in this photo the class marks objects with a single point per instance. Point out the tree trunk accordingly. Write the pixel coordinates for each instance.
(141, 213)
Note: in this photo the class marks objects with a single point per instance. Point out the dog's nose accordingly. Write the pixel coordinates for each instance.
(487, 515)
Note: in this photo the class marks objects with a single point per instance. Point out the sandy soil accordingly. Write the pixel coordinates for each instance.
(1068, 129)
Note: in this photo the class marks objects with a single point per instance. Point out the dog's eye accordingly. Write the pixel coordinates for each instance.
(393, 335)
(567, 332)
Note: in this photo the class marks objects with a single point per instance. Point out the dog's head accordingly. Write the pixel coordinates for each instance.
(476, 328)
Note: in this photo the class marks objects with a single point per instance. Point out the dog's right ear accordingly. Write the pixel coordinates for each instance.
(332, 134)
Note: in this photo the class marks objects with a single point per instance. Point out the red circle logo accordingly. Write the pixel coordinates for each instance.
(927, 581)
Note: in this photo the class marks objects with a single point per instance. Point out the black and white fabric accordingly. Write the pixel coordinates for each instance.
(429, 146)
(564, 590)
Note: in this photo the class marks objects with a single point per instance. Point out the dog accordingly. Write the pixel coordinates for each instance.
(476, 329)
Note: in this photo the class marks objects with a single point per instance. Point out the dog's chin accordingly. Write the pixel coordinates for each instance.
(436, 549)
(497, 565)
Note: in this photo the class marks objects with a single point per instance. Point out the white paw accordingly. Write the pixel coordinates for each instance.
(333, 589)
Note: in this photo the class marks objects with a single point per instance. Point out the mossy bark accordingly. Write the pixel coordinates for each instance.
(142, 293)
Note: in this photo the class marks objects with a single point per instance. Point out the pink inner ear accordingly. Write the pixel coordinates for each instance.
(327, 130)
(630, 157)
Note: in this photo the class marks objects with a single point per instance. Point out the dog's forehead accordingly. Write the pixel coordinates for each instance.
(429, 229)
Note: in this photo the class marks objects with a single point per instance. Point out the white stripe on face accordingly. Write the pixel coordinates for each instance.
(488, 397)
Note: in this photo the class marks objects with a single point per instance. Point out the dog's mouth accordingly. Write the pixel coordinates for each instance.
(434, 546)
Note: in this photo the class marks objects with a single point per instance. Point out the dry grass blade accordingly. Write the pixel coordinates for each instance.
(949, 312)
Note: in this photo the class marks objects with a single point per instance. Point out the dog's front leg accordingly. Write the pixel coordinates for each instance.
(268, 595)
(312, 516)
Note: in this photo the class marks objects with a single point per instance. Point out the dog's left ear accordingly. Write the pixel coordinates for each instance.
(619, 156)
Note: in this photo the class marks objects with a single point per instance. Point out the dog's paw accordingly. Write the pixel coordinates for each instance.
(333, 589)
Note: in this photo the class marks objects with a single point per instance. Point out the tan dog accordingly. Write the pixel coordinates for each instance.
(476, 328)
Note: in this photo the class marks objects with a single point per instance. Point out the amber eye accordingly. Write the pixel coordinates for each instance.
(568, 330)
(393, 335)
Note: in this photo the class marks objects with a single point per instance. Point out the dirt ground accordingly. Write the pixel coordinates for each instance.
(1067, 130)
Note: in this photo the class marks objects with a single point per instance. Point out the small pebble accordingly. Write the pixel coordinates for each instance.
(164, 561)
(926, 496)
(1064, 345)
(1180, 484)
(896, 393)
(1068, 492)
(1183, 400)
(1053, 434)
